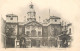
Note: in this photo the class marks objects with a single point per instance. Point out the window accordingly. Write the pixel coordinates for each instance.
(39, 33)
(11, 18)
(27, 33)
(70, 30)
(33, 33)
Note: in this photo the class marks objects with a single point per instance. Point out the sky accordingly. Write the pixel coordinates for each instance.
(68, 10)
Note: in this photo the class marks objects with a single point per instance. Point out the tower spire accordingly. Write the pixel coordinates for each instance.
(31, 13)
(49, 12)
(31, 6)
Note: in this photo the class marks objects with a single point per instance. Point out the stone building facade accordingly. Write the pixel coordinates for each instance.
(32, 33)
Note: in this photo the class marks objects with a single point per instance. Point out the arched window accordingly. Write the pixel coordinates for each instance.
(39, 33)
(27, 33)
(33, 33)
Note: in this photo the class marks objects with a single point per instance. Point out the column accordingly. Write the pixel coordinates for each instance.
(15, 42)
(58, 42)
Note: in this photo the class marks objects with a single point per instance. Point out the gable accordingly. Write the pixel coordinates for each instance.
(34, 23)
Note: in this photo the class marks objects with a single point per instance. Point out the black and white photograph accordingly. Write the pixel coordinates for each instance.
(39, 23)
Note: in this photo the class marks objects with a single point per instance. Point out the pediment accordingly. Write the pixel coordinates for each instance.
(34, 23)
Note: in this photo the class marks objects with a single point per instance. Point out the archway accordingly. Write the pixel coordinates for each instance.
(22, 43)
(33, 43)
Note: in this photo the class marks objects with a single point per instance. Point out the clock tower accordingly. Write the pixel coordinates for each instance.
(31, 13)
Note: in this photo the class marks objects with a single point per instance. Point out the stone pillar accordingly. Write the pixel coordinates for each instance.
(15, 42)
(58, 43)
(5, 41)
(30, 43)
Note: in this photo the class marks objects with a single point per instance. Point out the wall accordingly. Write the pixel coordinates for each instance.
(8, 19)
(52, 21)
(33, 28)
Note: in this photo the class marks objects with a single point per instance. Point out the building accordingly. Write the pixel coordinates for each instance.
(66, 36)
(11, 29)
(32, 33)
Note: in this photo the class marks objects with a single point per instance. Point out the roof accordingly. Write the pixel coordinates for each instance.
(69, 24)
(11, 15)
(54, 17)
(33, 23)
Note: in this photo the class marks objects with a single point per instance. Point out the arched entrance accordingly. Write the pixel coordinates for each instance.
(22, 43)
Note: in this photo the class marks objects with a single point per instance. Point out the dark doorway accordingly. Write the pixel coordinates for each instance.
(22, 43)
(10, 42)
(38, 43)
(33, 43)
